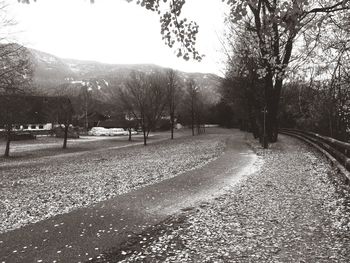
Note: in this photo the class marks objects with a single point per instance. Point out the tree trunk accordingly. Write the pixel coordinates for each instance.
(272, 121)
(192, 115)
(8, 141)
(129, 129)
(272, 98)
(172, 125)
(172, 132)
(66, 127)
(144, 137)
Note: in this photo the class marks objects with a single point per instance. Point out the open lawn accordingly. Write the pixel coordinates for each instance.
(50, 145)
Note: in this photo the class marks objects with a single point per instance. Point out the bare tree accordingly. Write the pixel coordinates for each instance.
(201, 113)
(194, 110)
(172, 97)
(60, 110)
(130, 124)
(65, 113)
(144, 97)
(192, 94)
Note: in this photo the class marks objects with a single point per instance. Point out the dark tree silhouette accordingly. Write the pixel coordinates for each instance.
(15, 78)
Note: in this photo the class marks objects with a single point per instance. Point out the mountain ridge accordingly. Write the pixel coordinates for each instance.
(52, 72)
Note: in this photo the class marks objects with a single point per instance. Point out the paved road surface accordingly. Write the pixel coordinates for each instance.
(85, 233)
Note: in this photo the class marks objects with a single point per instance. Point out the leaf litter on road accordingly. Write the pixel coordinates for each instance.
(294, 209)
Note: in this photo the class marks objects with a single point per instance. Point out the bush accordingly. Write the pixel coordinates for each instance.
(72, 133)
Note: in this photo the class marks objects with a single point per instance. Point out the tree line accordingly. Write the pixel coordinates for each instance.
(158, 98)
(145, 100)
(288, 66)
(271, 40)
(274, 30)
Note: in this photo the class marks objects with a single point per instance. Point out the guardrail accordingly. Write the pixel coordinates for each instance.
(337, 151)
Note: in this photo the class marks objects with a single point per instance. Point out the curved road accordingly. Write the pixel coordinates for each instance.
(85, 233)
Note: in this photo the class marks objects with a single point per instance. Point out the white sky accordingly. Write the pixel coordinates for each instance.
(114, 31)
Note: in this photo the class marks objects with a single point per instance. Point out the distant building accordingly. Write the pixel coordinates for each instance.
(34, 127)
(34, 113)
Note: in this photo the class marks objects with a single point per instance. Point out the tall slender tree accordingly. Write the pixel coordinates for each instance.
(192, 95)
(172, 95)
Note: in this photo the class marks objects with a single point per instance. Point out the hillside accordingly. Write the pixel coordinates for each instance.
(52, 73)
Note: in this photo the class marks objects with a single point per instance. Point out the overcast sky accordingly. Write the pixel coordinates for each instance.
(115, 31)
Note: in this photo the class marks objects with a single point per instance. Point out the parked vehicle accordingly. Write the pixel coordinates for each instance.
(99, 131)
(117, 132)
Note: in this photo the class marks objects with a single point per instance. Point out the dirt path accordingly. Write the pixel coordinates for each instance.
(90, 232)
